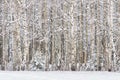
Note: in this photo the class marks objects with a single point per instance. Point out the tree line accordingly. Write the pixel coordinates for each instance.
(65, 35)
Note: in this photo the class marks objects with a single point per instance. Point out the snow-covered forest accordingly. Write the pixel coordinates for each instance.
(64, 35)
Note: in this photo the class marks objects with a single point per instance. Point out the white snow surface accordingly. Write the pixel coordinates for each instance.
(58, 75)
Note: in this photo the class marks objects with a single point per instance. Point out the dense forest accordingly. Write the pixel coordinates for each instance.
(64, 35)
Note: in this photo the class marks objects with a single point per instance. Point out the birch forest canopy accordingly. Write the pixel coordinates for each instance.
(65, 35)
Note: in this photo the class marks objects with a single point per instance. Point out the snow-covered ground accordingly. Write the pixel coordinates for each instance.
(59, 75)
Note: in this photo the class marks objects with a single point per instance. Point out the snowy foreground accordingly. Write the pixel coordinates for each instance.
(59, 76)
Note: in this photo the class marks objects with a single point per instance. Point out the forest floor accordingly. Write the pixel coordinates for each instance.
(58, 75)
